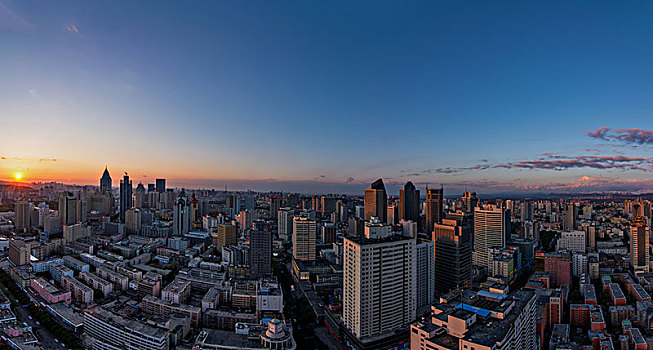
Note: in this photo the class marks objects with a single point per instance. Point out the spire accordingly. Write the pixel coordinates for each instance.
(106, 172)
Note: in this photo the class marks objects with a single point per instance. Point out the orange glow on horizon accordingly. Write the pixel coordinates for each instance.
(18, 176)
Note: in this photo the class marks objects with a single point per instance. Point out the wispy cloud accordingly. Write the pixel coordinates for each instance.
(11, 20)
(627, 136)
(33, 93)
(319, 177)
(48, 160)
(349, 179)
(72, 28)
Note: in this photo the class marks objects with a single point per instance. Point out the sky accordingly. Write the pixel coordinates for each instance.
(324, 97)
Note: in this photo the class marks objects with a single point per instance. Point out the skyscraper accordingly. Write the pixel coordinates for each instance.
(22, 215)
(260, 253)
(304, 235)
(285, 223)
(160, 185)
(67, 209)
(453, 255)
(424, 273)
(379, 284)
(409, 202)
(376, 201)
(491, 230)
(105, 182)
(433, 207)
(470, 201)
(140, 198)
(125, 196)
(639, 244)
(569, 217)
(181, 219)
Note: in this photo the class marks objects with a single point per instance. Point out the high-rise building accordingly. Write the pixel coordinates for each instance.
(376, 201)
(232, 204)
(470, 201)
(569, 217)
(225, 235)
(433, 207)
(453, 255)
(526, 211)
(140, 198)
(328, 232)
(68, 209)
(425, 274)
(275, 204)
(260, 253)
(284, 223)
(22, 216)
(328, 205)
(491, 230)
(182, 217)
(151, 188)
(304, 234)
(19, 252)
(105, 182)
(409, 203)
(133, 220)
(379, 284)
(161, 185)
(639, 244)
(106, 330)
(125, 196)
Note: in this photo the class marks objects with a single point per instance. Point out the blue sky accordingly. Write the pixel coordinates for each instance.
(328, 96)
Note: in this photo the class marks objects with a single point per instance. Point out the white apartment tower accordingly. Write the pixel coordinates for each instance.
(379, 284)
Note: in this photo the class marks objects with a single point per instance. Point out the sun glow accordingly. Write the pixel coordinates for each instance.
(18, 176)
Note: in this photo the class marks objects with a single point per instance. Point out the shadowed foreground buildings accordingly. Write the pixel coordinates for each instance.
(479, 320)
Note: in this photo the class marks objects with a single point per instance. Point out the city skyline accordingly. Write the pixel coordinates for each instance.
(325, 99)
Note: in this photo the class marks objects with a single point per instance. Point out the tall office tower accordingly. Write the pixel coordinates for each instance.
(453, 255)
(284, 223)
(154, 200)
(224, 236)
(569, 217)
(304, 234)
(639, 244)
(22, 215)
(67, 209)
(433, 207)
(315, 203)
(181, 218)
(161, 185)
(491, 230)
(260, 253)
(328, 232)
(526, 211)
(409, 203)
(376, 201)
(19, 252)
(105, 182)
(341, 211)
(392, 216)
(232, 204)
(125, 196)
(425, 274)
(379, 285)
(275, 204)
(328, 205)
(140, 198)
(470, 201)
(133, 221)
(151, 188)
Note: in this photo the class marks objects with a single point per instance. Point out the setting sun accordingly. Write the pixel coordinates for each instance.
(18, 176)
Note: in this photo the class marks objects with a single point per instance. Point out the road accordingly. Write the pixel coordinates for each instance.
(45, 337)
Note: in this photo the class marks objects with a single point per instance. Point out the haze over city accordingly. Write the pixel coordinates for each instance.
(311, 97)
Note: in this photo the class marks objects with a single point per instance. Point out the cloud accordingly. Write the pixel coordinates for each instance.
(13, 21)
(319, 177)
(48, 160)
(3, 158)
(33, 93)
(72, 28)
(349, 179)
(626, 136)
